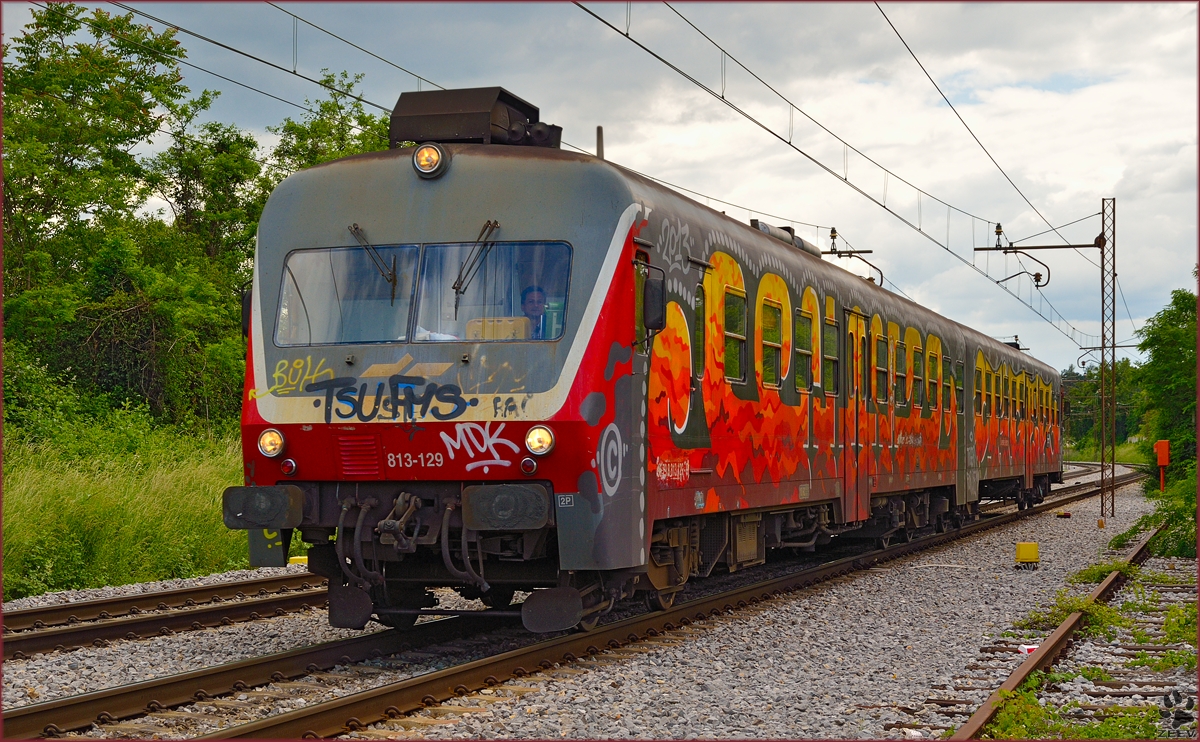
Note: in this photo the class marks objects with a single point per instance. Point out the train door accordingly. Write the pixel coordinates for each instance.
(857, 451)
(969, 430)
(1026, 429)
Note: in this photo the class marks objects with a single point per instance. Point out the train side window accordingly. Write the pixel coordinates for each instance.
(931, 399)
(881, 369)
(641, 260)
(772, 343)
(996, 395)
(1046, 406)
(918, 397)
(735, 336)
(1055, 419)
(901, 393)
(987, 394)
(947, 381)
(829, 347)
(803, 345)
(959, 372)
(698, 335)
(865, 381)
(978, 391)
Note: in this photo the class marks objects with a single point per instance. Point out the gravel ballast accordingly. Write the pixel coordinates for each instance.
(807, 666)
(802, 668)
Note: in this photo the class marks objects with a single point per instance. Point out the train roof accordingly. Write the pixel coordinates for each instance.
(752, 235)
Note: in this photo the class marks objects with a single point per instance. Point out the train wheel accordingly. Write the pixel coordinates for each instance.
(410, 598)
(589, 622)
(660, 600)
(499, 598)
(400, 621)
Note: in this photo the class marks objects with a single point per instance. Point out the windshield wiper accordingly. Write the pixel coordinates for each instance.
(389, 274)
(470, 267)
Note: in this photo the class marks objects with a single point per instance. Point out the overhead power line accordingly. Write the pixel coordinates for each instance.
(1074, 335)
(248, 55)
(801, 111)
(125, 38)
(356, 46)
(185, 63)
(1002, 172)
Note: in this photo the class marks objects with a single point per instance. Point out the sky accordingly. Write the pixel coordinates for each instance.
(1075, 101)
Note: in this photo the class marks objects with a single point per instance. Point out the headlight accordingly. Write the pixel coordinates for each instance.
(539, 440)
(429, 160)
(270, 442)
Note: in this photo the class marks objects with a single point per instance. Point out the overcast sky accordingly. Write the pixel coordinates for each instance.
(1076, 101)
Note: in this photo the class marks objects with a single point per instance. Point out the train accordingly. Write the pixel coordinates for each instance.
(479, 361)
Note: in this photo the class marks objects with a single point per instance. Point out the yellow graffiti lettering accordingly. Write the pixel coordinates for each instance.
(272, 538)
(296, 375)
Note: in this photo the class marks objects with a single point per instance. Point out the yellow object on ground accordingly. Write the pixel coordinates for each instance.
(1027, 552)
(304, 559)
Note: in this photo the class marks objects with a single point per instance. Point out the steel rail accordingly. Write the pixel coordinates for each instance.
(78, 712)
(110, 704)
(23, 644)
(1066, 494)
(87, 610)
(1052, 648)
(359, 710)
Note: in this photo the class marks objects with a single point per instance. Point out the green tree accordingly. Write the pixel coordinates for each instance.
(74, 108)
(338, 127)
(1083, 399)
(1169, 380)
(208, 177)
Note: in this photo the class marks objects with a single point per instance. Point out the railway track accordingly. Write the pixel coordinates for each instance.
(96, 622)
(91, 623)
(253, 678)
(1056, 646)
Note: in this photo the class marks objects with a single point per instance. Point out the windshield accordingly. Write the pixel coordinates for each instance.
(518, 292)
(338, 295)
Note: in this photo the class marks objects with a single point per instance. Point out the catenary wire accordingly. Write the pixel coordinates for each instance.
(826, 168)
(801, 111)
(725, 53)
(126, 39)
(376, 105)
(1061, 226)
(431, 82)
(248, 55)
(972, 133)
(356, 46)
(1002, 172)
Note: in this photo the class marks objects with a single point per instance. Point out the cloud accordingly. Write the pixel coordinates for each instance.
(1077, 101)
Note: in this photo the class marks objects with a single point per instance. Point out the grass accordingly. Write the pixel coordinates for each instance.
(1020, 716)
(114, 502)
(1179, 626)
(1166, 661)
(1096, 573)
(1098, 619)
(1127, 453)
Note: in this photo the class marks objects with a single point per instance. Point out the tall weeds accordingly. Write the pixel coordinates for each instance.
(113, 502)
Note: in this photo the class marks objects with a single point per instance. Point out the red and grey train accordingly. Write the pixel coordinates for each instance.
(486, 363)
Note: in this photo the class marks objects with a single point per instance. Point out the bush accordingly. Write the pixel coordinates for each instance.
(1098, 619)
(1175, 511)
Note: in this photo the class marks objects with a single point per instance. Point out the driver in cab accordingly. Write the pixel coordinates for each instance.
(533, 305)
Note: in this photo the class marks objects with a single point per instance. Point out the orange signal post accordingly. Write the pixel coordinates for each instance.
(1163, 450)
